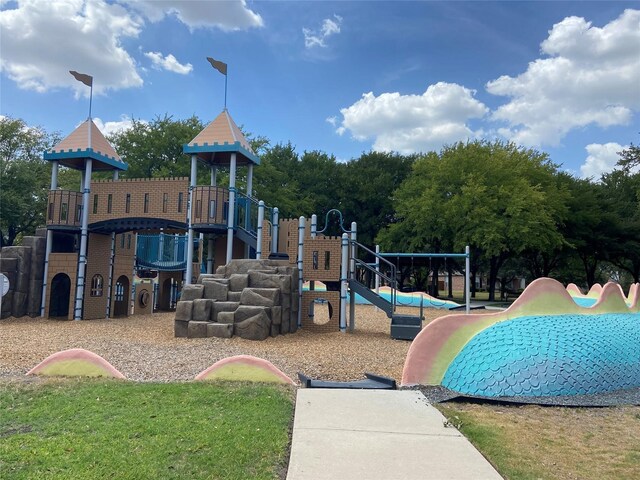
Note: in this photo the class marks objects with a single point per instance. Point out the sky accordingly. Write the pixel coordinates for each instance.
(340, 77)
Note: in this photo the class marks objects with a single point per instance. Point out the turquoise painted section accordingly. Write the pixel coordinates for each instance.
(87, 153)
(585, 301)
(550, 355)
(222, 147)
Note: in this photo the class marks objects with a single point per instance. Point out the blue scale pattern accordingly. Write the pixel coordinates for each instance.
(550, 355)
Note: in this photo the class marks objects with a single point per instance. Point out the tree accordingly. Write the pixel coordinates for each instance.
(154, 149)
(368, 184)
(621, 192)
(24, 178)
(276, 181)
(494, 197)
(629, 157)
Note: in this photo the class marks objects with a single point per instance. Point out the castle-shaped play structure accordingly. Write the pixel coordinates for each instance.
(126, 246)
(91, 252)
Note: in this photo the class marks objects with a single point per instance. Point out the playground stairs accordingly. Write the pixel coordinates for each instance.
(403, 327)
(248, 237)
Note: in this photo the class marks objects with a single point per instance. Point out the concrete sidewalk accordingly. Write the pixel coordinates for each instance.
(378, 435)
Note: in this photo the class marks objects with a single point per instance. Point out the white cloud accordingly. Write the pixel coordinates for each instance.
(42, 41)
(591, 77)
(602, 158)
(108, 128)
(225, 15)
(330, 26)
(168, 63)
(413, 123)
(333, 120)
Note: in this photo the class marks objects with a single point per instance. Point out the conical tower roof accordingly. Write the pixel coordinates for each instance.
(79, 145)
(218, 140)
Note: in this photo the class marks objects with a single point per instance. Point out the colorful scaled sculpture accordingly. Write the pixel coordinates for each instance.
(543, 345)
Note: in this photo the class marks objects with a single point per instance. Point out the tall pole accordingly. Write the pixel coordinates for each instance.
(82, 259)
(226, 75)
(192, 186)
(467, 286)
(232, 207)
(344, 268)
(259, 230)
(301, 226)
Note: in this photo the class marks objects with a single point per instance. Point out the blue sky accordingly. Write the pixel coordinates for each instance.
(341, 77)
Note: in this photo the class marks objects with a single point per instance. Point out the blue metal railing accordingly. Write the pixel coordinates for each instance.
(162, 251)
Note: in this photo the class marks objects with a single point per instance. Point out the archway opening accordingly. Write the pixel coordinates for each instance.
(121, 297)
(59, 297)
(320, 311)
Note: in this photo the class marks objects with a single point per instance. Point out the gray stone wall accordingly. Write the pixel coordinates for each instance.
(253, 299)
(24, 266)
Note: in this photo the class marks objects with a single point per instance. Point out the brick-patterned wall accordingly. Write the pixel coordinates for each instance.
(288, 238)
(318, 249)
(333, 325)
(137, 188)
(266, 238)
(62, 263)
(98, 253)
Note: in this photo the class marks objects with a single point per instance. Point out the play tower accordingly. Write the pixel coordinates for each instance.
(91, 253)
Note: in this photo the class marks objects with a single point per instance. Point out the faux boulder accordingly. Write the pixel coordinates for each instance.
(192, 292)
(257, 327)
(253, 299)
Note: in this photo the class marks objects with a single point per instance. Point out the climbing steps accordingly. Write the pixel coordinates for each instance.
(405, 327)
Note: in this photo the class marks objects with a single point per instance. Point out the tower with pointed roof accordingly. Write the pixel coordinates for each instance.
(222, 144)
(85, 149)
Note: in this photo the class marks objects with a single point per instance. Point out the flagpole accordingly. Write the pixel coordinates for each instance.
(225, 89)
(90, 99)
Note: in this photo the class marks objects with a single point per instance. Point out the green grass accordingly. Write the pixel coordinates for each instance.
(87, 429)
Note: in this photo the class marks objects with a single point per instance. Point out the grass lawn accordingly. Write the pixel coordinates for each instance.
(87, 429)
(531, 442)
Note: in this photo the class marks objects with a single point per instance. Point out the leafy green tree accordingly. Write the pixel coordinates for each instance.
(276, 181)
(24, 178)
(368, 184)
(491, 196)
(621, 192)
(154, 149)
(629, 157)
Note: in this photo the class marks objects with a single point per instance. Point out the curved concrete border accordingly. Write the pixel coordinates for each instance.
(244, 368)
(75, 362)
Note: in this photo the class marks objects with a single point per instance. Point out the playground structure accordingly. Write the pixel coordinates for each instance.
(346, 269)
(104, 242)
(91, 238)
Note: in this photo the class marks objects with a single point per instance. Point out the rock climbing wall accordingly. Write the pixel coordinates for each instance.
(252, 299)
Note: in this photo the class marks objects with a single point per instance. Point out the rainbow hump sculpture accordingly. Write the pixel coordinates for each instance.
(543, 345)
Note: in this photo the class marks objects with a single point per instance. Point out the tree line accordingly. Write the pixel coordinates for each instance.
(520, 213)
